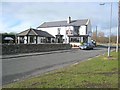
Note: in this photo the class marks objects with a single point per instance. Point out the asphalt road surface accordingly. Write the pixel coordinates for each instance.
(14, 69)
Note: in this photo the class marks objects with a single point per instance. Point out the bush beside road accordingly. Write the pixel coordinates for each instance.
(98, 72)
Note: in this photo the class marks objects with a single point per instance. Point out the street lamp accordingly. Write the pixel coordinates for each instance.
(110, 27)
(118, 26)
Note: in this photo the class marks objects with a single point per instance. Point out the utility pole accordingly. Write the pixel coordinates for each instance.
(110, 28)
(96, 33)
(118, 27)
(109, 49)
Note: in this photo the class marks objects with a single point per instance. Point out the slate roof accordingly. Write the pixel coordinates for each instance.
(35, 32)
(43, 33)
(64, 23)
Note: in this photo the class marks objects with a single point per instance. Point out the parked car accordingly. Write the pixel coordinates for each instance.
(87, 46)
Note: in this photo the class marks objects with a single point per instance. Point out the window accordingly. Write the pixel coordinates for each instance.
(74, 39)
(31, 39)
(21, 39)
(69, 32)
(85, 39)
(41, 40)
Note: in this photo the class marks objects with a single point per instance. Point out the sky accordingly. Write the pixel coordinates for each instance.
(19, 16)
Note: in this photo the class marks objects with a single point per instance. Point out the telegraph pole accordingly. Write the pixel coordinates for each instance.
(110, 27)
(110, 30)
(96, 33)
(118, 27)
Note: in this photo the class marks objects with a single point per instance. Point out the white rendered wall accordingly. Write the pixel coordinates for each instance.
(18, 40)
(34, 40)
(75, 43)
(28, 39)
(25, 39)
(54, 31)
(39, 40)
(52, 39)
(82, 30)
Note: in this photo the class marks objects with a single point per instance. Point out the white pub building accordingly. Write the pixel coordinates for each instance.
(73, 31)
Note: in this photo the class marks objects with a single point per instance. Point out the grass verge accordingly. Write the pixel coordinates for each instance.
(99, 72)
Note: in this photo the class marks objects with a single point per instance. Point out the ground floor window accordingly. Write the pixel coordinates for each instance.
(74, 39)
(78, 39)
(31, 39)
(41, 40)
(21, 39)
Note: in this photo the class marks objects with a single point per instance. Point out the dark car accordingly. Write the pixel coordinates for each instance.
(87, 46)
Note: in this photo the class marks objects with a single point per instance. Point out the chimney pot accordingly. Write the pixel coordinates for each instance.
(69, 20)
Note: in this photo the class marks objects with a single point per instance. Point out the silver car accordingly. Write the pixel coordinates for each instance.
(87, 46)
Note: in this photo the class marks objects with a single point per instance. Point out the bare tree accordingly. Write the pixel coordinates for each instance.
(113, 38)
(101, 37)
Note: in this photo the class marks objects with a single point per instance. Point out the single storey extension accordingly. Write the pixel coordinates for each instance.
(34, 36)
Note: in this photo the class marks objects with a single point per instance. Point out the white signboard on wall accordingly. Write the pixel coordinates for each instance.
(82, 30)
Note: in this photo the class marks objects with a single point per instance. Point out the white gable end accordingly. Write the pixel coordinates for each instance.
(82, 30)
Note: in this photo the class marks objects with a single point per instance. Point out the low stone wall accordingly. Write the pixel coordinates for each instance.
(31, 48)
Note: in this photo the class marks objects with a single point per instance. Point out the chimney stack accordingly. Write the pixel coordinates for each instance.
(69, 20)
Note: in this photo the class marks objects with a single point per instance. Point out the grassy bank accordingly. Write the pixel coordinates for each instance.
(99, 72)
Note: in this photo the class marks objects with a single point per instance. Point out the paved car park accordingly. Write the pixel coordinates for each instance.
(16, 68)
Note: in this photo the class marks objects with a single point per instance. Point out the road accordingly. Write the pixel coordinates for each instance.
(14, 69)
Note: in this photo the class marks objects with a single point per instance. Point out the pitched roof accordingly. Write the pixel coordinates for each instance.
(35, 32)
(43, 33)
(64, 23)
(23, 33)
